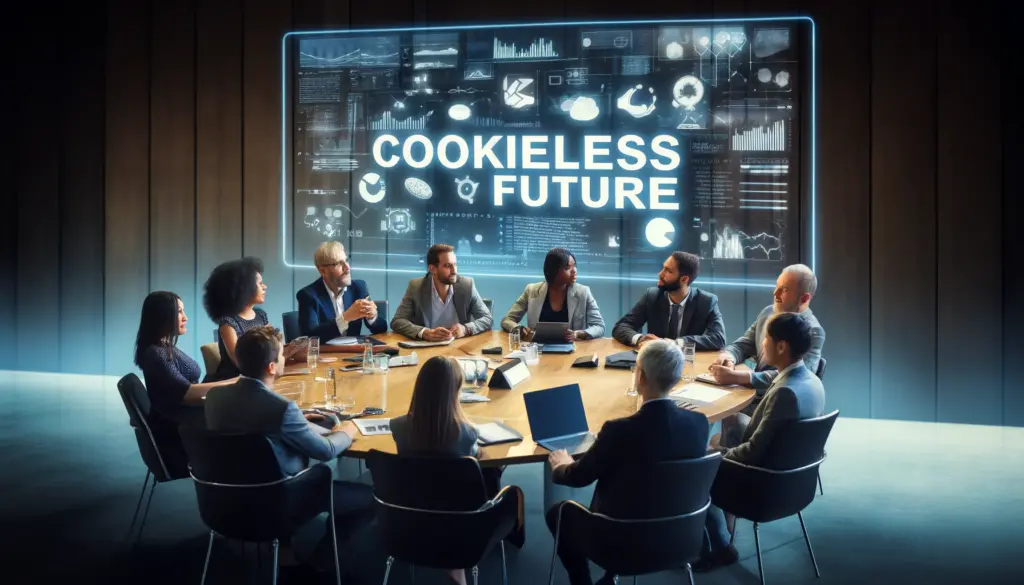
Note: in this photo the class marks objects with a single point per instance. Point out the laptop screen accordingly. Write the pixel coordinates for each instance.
(555, 412)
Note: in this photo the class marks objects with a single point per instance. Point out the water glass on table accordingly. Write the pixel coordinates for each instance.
(513, 340)
(313, 354)
(689, 348)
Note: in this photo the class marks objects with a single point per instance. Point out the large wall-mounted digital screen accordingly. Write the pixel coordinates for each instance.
(621, 141)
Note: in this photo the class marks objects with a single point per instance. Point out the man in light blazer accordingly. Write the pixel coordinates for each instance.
(441, 305)
(675, 309)
(794, 290)
(576, 306)
(795, 394)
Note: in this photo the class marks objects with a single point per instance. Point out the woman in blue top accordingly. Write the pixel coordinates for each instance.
(172, 377)
(230, 297)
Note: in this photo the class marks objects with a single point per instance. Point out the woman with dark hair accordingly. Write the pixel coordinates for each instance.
(436, 426)
(172, 377)
(230, 296)
(559, 299)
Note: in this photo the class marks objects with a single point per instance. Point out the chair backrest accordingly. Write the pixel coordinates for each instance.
(382, 309)
(820, 372)
(665, 528)
(290, 323)
(441, 483)
(136, 402)
(211, 357)
(489, 303)
(784, 481)
(434, 511)
(241, 490)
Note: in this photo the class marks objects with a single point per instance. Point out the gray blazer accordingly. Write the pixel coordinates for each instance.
(472, 312)
(749, 346)
(584, 314)
(796, 395)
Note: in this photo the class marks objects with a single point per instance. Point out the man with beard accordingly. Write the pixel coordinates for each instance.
(335, 304)
(793, 292)
(441, 305)
(675, 309)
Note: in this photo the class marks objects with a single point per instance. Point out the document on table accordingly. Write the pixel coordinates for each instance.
(373, 426)
(343, 341)
(700, 393)
(423, 343)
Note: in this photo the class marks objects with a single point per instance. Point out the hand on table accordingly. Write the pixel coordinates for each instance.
(559, 458)
(292, 349)
(348, 427)
(727, 375)
(458, 331)
(571, 335)
(361, 309)
(724, 359)
(437, 334)
(525, 334)
(645, 339)
(318, 418)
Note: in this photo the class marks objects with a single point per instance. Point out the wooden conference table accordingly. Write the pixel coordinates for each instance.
(603, 390)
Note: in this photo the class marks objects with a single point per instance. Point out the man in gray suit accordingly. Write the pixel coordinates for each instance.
(794, 290)
(441, 305)
(794, 394)
(675, 309)
(250, 406)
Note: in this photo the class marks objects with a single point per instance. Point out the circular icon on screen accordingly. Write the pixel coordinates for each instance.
(659, 232)
(371, 187)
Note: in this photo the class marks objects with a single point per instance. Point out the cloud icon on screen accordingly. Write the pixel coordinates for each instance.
(584, 109)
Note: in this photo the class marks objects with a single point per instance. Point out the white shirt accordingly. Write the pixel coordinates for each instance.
(671, 303)
(338, 300)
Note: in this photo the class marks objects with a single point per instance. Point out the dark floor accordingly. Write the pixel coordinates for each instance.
(903, 503)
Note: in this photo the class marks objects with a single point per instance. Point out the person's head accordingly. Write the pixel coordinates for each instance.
(794, 289)
(442, 264)
(679, 271)
(560, 267)
(659, 366)
(332, 263)
(787, 339)
(233, 286)
(163, 320)
(435, 412)
(259, 353)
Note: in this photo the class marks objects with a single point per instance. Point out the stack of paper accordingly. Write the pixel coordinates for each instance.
(700, 393)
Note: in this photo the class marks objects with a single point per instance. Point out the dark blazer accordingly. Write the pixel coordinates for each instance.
(702, 321)
(659, 431)
(317, 315)
(247, 406)
(470, 309)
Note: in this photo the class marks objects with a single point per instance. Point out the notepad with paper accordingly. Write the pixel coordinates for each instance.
(700, 393)
(493, 433)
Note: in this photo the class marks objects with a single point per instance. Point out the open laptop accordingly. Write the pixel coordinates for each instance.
(557, 419)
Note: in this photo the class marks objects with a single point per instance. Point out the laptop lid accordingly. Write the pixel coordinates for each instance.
(550, 332)
(555, 412)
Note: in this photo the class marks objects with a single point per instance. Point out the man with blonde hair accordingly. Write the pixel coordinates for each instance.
(335, 305)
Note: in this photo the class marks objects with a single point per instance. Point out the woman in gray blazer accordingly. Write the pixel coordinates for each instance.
(557, 300)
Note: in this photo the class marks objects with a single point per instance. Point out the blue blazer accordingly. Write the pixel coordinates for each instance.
(317, 315)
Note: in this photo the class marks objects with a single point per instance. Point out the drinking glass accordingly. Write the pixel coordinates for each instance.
(689, 348)
(468, 372)
(344, 398)
(313, 354)
(383, 365)
(481, 373)
(532, 351)
(513, 340)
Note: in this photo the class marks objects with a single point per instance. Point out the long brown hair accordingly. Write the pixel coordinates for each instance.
(434, 412)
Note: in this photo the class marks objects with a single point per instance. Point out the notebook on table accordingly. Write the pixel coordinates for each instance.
(494, 433)
(558, 420)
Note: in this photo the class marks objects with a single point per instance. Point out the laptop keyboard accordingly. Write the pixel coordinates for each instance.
(571, 444)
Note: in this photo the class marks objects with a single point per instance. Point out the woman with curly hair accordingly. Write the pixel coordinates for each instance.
(230, 297)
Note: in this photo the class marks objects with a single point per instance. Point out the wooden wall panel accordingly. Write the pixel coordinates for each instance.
(903, 235)
(265, 24)
(38, 215)
(970, 244)
(1013, 246)
(172, 217)
(843, 305)
(218, 147)
(9, 12)
(81, 196)
(126, 249)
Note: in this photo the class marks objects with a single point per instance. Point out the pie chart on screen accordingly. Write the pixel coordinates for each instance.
(659, 232)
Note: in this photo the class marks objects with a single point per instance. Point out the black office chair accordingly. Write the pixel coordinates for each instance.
(653, 520)
(160, 448)
(783, 485)
(290, 323)
(382, 309)
(434, 512)
(489, 303)
(242, 493)
(820, 372)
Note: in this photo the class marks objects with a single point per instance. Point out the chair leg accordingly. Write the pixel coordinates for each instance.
(476, 575)
(504, 567)
(634, 579)
(334, 544)
(800, 515)
(821, 490)
(259, 555)
(689, 573)
(554, 551)
(145, 513)
(206, 563)
(412, 573)
(757, 545)
(274, 546)
(138, 505)
(387, 571)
